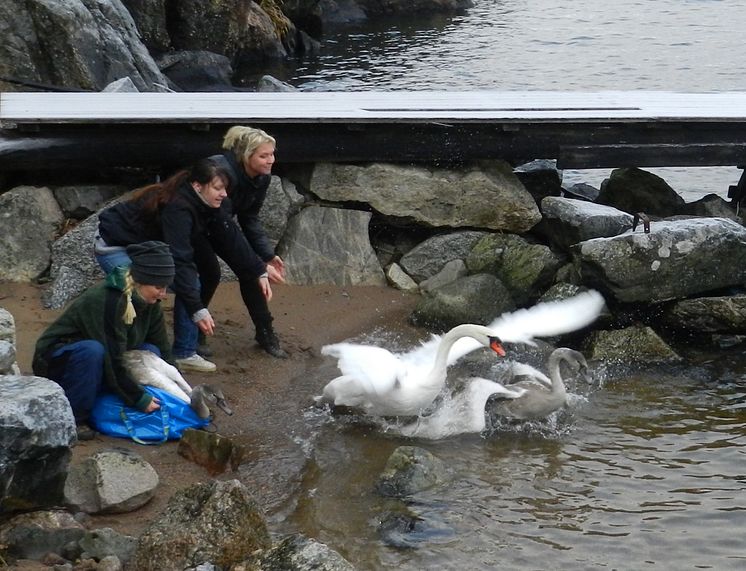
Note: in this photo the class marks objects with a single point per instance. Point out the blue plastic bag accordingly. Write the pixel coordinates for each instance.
(112, 417)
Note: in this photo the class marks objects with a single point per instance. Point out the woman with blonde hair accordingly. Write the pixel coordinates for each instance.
(82, 349)
(248, 157)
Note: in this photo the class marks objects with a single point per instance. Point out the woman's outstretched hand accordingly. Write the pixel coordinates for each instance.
(276, 270)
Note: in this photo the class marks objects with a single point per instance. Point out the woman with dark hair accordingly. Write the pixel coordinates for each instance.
(180, 211)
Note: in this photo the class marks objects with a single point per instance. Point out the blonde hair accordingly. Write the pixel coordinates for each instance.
(129, 309)
(243, 141)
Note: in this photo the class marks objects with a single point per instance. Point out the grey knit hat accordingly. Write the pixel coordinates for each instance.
(152, 263)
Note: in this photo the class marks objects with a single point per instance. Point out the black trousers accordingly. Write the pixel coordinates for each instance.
(236, 252)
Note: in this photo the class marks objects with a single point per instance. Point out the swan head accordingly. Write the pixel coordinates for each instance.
(496, 345)
(484, 335)
(202, 394)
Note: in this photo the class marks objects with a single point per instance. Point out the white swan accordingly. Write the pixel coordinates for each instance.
(147, 368)
(462, 413)
(386, 384)
(538, 400)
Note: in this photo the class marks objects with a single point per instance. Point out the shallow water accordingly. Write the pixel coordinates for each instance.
(643, 471)
(587, 45)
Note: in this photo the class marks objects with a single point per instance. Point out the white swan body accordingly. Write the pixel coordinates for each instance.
(385, 384)
(462, 413)
(539, 401)
(147, 368)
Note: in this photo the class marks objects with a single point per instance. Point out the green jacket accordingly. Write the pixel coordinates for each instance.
(98, 314)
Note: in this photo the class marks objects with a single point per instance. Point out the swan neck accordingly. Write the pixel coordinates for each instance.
(555, 373)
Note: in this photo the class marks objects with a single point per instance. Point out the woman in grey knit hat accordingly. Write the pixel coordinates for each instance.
(82, 349)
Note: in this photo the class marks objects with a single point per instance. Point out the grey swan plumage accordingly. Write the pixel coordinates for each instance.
(147, 368)
(382, 383)
(539, 400)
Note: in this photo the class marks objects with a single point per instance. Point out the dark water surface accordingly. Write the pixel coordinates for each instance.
(645, 471)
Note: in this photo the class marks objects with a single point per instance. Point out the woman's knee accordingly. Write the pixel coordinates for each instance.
(90, 349)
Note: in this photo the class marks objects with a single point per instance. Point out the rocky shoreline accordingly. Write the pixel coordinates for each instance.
(467, 244)
(663, 266)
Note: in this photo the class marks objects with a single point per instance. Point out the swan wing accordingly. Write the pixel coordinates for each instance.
(149, 369)
(549, 318)
(156, 378)
(374, 369)
(523, 372)
(541, 320)
(154, 362)
(487, 388)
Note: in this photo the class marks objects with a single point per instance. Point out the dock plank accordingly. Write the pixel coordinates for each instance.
(424, 106)
(578, 129)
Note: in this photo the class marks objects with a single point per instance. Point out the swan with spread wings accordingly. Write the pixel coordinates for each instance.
(382, 383)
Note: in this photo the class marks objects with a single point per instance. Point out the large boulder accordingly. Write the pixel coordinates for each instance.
(300, 553)
(721, 314)
(479, 298)
(409, 470)
(35, 534)
(83, 44)
(489, 196)
(712, 206)
(74, 268)
(151, 21)
(330, 245)
(216, 522)
(525, 268)
(430, 256)
(29, 220)
(37, 428)
(110, 481)
(635, 190)
(238, 29)
(631, 345)
(568, 221)
(677, 259)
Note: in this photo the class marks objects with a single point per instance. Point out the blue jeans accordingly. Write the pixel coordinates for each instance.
(79, 369)
(186, 332)
(111, 260)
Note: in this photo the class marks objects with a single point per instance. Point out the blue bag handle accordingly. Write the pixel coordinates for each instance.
(131, 429)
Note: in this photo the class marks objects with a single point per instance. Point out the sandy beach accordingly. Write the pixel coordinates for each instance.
(265, 393)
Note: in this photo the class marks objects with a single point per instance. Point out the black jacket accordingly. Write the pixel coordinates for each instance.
(184, 224)
(246, 197)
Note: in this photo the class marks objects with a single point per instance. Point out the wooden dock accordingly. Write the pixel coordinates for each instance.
(579, 130)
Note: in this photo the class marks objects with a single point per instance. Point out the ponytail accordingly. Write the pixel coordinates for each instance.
(129, 310)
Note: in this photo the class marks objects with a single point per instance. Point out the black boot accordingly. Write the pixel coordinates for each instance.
(203, 349)
(267, 339)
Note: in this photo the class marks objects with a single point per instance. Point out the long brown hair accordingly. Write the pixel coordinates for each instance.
(154, 196)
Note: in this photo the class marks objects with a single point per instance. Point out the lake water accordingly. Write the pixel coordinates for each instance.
(586, 45)
(646, 470)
